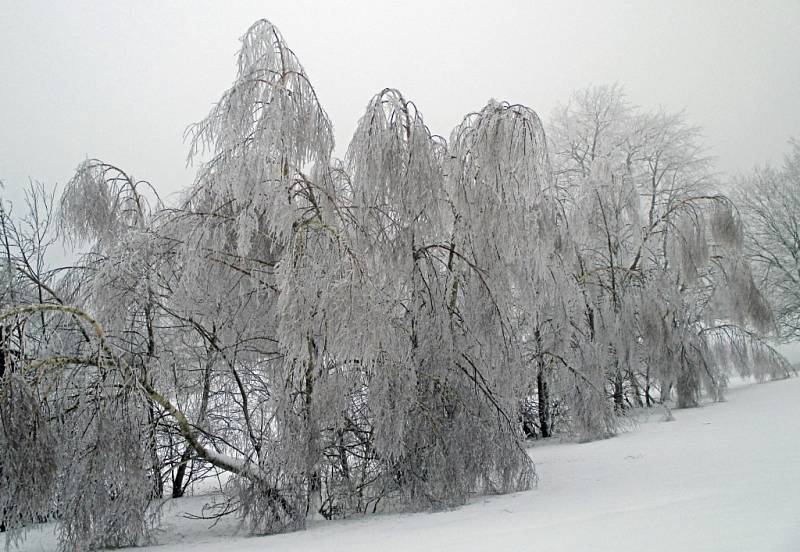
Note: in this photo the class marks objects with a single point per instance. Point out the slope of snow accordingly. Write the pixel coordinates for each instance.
(724, 477)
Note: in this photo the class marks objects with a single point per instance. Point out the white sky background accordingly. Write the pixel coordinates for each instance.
(121, 81)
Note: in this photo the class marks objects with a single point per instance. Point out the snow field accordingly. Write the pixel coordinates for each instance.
(724, 477)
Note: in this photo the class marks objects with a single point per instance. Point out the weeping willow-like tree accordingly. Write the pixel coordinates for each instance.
(670, 301)
(343, 336)
(336, 335)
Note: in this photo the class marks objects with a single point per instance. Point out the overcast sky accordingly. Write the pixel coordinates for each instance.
(121, 80)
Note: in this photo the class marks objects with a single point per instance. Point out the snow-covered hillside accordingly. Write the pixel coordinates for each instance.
(724, 477)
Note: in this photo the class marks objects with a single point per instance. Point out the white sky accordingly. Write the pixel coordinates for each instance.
(121, 81)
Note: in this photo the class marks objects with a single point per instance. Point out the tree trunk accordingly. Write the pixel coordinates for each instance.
(635, 390)
(177, 483)
(2, 352)
(544, 403)
(155, 461)
(688, 385)
(688, 390)
(619, 391)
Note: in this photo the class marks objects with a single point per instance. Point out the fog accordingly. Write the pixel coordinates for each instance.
(121, 81)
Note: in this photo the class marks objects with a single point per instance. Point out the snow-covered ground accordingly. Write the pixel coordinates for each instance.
(724, 477)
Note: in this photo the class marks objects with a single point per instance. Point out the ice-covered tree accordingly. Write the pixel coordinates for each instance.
(26, 234)
(339, 336)
(659, 249)
(769, 202)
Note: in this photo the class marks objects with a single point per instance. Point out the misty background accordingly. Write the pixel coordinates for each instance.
(121, 82)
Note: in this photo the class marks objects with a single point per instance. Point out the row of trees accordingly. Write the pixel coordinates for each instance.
(380, 331)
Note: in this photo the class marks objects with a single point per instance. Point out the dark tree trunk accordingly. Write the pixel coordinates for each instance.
(619, 391)
(178, 486)
(688, 390)
(688, 384)
(544, 404)
(666, 392)
(155, 461)
(181, 481)
(2, 351)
